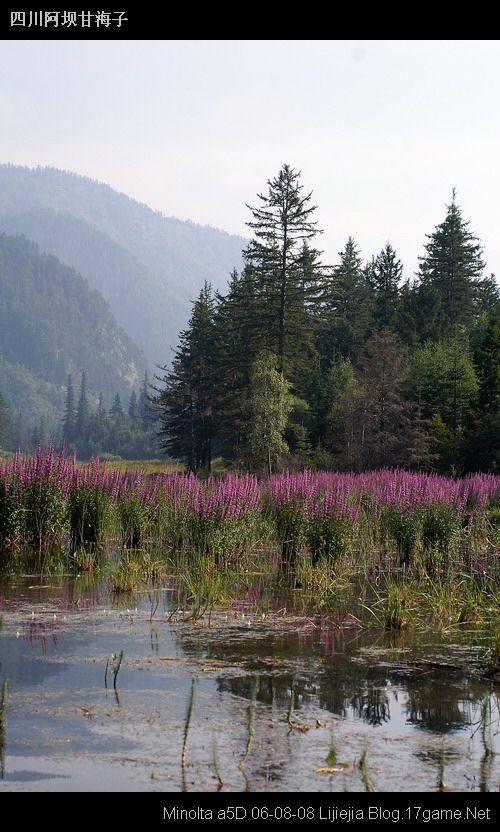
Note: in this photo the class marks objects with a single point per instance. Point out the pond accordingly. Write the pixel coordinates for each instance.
(280, 700)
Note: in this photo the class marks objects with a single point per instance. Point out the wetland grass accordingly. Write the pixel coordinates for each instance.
(113, 663)
(416, 542)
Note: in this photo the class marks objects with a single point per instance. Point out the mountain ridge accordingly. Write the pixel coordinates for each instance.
(52, 325)
(170, 258)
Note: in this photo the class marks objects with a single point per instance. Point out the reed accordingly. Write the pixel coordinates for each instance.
(89, 515)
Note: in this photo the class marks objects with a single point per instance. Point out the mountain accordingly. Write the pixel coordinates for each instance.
(53, 324)
(149, 267)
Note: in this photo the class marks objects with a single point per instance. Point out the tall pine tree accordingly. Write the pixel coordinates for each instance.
(287, 276)
(384, 277)
(346, 310)
(82, 414)
(453, 266)
(185, 404)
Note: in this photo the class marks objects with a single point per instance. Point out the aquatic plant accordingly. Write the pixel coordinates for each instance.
(44, 513)
(399, 604)
(86, 559)
(327, 515)
(89, 514)
(202, 586)
(10, 514)
(127, 576)
(113, 663)
(404, 525)
(134, 515)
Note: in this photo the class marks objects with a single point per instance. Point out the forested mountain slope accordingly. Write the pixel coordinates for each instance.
(148, 267)
(53, 324)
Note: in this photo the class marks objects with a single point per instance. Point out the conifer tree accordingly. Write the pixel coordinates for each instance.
(346, 312)
(285, 283)
(384, 277)
(116, 409)
(82, 413)
(133, 408)
(482, 437)
(185, 403)
(237, 339)
(453, 266)
(69, 421)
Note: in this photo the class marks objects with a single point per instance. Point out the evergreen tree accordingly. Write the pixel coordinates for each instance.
(384, 277)
(133, 406)
(82, 414)
(482, 436)
(346, 312)
(185, 404)
(69, 420)
(453, 266)
(116, 409)
(487, 361)
(286, 275)
(237, 339)
(420, 313)
(100, 425)
(444, 385)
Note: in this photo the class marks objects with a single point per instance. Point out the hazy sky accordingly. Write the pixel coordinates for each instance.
(381, 130)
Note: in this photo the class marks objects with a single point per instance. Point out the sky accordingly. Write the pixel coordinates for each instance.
(380, 130)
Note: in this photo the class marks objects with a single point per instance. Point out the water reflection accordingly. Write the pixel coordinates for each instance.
(271, 690)
(349, 683)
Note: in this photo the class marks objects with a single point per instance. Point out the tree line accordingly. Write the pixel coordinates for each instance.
(88, 428)
(349, 366)
(128, 433)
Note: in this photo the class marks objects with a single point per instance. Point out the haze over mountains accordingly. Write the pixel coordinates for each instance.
(148, 267)
(51, 325)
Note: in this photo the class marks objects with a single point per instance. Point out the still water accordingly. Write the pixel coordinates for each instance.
(276, 701)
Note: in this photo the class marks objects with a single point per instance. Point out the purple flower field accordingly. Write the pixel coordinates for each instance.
(42, 498)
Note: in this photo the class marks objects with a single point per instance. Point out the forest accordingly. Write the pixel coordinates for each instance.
(351, 367)
(298, 364)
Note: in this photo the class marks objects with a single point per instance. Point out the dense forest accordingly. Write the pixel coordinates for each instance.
(297, 363)
(52, 325)
(124, 431)
(147, 266)
(351, 366)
